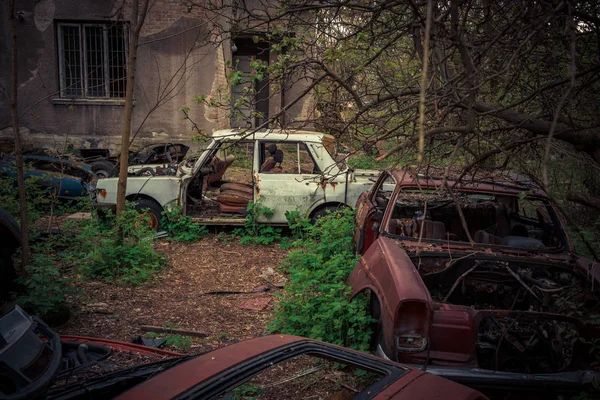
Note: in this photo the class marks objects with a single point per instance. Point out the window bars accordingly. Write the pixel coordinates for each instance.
(92, 59)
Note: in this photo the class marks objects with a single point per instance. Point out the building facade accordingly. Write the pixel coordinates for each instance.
(72, 57)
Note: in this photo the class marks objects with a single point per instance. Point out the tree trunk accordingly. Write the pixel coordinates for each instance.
(586, 140)
(25, 251)
(137, 21)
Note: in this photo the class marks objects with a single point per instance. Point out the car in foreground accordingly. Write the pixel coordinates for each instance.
(270, 367)
(37, 363)
(477, 281)
(67, 179)
(286, 170)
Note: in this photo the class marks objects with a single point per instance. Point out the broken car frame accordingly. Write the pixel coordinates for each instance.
(515, 310)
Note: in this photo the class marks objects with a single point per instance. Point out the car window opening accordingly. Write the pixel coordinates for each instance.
(509, 221)
(306, 376)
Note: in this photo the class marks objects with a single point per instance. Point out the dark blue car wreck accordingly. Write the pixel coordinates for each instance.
(66, 178)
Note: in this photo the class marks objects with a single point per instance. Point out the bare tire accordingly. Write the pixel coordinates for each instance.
(323, 212)
(102, 169)
(151, 208)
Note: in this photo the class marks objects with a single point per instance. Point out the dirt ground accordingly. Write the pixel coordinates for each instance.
(178, 297)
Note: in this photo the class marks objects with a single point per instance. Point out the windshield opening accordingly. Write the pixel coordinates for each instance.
(491, 219)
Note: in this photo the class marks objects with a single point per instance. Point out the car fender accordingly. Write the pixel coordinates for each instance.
(387, 270)
(162, 189)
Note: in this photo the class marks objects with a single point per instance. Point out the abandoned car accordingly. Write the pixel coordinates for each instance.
(65, 178)
(149, 160)
(489, 294)
(35, 362)
(285, 170)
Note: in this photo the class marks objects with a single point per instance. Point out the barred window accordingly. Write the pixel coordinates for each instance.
(92, 59)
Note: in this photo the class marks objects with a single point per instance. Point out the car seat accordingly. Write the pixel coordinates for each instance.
(270, 162)
(219, 167)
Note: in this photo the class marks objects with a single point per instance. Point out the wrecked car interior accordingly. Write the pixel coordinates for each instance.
(226, 184)
(491, 219)
(534, 312)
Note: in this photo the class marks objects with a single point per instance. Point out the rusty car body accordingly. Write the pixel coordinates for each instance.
(229, 371)
(308, 179)
(510, 305)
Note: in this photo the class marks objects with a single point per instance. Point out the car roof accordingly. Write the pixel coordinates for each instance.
(484, 181)
(272, 134)
(184, 376)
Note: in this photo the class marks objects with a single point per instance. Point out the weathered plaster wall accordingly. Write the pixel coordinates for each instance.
(166, 68)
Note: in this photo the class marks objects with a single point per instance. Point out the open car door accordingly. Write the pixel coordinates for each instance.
(370, 208)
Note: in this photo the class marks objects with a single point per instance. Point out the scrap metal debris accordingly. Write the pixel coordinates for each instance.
(256, 304)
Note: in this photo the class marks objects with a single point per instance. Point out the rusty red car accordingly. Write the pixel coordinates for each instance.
(477, 281)
(269, 367)
(36, 363)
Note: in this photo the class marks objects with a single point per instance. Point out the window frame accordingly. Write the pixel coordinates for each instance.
(82, 48)
(297, 143)
(559, 227)
(246, 370)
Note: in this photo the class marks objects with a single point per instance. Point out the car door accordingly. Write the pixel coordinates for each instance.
(370, 209)
(294, 183)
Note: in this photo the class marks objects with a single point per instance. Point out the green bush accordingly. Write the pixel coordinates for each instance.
(44, 287)
(315, 301)
(364, 161)
(255, 232)
(181, 228)
(102, 253)
(41, 200)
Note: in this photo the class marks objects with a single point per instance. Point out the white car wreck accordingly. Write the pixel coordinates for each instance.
(285, 170)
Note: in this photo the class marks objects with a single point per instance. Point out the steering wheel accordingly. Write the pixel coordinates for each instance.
(167, 151)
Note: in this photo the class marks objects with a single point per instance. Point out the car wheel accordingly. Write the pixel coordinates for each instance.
(102, 169)
(153, 209)
(323, 211)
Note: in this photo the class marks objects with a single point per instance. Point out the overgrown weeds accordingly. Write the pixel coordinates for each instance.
(44, 288)
(255, 232)
(315, 302)
(181, 228)
(178, 341)
(102, 253)
(93, 248)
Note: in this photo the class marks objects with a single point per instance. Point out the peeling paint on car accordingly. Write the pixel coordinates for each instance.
(279, 191)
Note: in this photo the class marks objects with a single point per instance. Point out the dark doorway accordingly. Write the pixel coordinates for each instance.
(246, 50)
